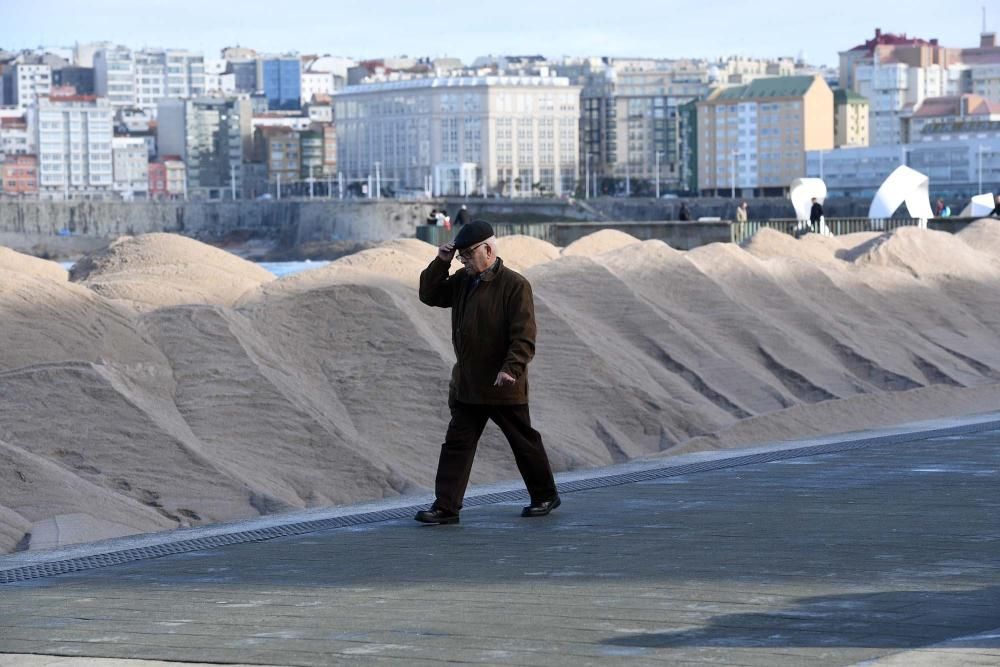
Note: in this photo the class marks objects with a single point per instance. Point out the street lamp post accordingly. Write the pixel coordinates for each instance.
(658, 153)
(979, 189)
(732, 185)
(821, 151)
(586, 178)
(378, 180)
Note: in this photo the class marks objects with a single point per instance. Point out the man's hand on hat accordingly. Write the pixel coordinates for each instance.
(446, 252)
(503, 379)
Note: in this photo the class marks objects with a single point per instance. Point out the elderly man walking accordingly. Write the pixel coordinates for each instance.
(493, 331)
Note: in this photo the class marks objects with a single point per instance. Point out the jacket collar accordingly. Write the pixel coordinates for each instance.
(492, 272)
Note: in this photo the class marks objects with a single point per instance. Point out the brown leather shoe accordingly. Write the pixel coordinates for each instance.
(435, 515)
(542, 508)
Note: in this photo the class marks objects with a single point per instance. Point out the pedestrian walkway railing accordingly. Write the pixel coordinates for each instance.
(710, 231)
(741, 231)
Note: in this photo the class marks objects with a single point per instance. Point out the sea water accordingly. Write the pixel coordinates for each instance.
(279, 269)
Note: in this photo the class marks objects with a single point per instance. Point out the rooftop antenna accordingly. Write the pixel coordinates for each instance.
(984, 18)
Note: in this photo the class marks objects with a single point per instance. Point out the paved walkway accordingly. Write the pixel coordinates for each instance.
(872, 553)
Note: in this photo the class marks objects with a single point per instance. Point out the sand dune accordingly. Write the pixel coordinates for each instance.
(170, 384)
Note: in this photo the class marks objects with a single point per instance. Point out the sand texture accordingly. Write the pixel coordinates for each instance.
(168, 383)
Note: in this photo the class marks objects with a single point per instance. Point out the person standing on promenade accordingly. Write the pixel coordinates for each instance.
(741, 212)
(685, 213)
(493, 332)
(816, 216)
(462, 217)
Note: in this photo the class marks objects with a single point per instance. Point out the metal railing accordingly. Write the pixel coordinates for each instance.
(741, 231)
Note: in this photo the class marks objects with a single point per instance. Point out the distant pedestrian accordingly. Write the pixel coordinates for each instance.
(996, 209)
(742, 212)
(432, 217)
(938, 208)
(493, 332)
(685, 214)
(816, 216)
(462, 217)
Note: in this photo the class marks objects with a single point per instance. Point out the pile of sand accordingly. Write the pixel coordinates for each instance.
(166, 269)
(26, 265)
(927, 253)
(598, 242)
(145, 396)
(983, 235)
(522, 252)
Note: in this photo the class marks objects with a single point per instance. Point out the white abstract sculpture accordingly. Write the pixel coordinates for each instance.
(979, 206)
(904, 185)
(802, 192)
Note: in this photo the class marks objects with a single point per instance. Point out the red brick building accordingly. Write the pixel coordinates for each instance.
(19, 175)
(157, 180)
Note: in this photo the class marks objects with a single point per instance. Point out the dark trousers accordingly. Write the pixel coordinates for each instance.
(459, 449)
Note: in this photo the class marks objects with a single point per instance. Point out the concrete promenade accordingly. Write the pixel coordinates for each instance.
(887, 551)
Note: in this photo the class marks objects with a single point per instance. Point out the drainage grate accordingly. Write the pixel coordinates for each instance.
(28, 572)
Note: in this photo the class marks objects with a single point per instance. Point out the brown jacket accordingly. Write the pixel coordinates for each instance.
(492, 329)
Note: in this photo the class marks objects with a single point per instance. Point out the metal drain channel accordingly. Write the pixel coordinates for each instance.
(28, 572)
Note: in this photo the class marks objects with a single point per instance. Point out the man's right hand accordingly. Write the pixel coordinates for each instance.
(446, 252)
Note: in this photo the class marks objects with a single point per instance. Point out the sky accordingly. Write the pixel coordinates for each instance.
(815, 30)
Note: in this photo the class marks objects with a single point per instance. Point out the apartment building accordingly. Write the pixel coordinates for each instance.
(950, 111)
(631, 122)
(15, 136)
(73, 136)
(753, 139)
(81, 79)
(115, 76)
(167, 178)
(130, 167)
(19, 176)
(213, 137)
(456, 135)
(163, 73)
(850, 118)
(280, 78)
(23, 81)
(280, 149)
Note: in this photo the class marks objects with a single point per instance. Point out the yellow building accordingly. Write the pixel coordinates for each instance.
(752, 139)
(850, 118)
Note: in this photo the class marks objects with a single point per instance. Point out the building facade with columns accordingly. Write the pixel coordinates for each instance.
(512, 135)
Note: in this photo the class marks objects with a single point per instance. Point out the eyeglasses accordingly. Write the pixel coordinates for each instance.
(468, 252)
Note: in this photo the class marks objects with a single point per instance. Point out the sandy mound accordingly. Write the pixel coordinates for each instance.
(522, 252)
(598, 242)
(928, 253)
(983, 235)
(768, 243)
(159, 270)
(330, 386)
(27, 265)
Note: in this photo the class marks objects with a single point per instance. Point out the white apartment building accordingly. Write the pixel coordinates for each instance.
(24, 82)
(115, 76)
(317, 83)
(160, 74)
(893, 90)
(986, 80)
(218, 78)
(454, 135)
(73, 136)
(15, 137)
(130, 168)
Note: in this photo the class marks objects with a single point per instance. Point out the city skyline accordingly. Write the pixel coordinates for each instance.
(559, 28)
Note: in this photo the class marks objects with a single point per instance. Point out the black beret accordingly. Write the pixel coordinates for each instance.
(475, 232)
